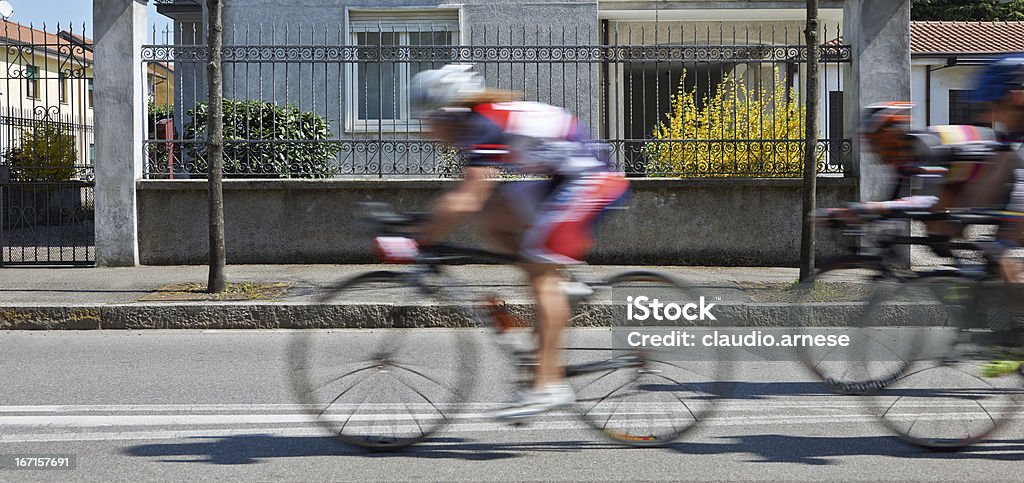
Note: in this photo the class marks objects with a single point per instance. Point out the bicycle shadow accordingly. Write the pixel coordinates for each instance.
(253, 448)
(764, 448)
(827, 450)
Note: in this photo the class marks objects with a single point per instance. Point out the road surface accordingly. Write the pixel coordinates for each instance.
(215, 405)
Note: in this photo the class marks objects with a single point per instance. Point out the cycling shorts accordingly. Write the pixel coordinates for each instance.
(561, 214)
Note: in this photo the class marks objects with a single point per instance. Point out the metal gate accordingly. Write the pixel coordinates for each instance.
(46, 146)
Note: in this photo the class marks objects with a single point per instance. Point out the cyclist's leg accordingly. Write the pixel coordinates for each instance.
(561, 235)
(553, 314)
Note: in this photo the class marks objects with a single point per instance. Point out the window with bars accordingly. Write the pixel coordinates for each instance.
(378, 90)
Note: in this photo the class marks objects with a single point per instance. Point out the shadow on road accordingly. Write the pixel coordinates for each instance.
(768, 448)
(825, 450)
(251, 448)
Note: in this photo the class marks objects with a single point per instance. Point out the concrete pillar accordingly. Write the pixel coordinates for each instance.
(879, 33)
(120, 101)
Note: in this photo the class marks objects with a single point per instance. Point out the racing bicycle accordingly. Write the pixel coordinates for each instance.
(415, 360)
(926, 334)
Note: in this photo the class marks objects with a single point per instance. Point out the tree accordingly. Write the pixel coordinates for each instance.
(810, 164)
(976, 10)
(215, 146)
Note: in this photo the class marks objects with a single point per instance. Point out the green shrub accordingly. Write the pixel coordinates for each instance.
(739, 131)
(45, 153)
(158, 113)
(290, 143)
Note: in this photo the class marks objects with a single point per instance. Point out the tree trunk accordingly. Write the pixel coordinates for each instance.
(215, 148)
(811, 143)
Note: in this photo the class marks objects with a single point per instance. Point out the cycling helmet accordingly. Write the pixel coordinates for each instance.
(999, 79)
(885, 115)
(431, 90)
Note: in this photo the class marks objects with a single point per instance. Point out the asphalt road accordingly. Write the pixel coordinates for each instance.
(178, 405)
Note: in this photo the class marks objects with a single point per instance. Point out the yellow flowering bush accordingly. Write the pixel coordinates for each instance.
(739, 131)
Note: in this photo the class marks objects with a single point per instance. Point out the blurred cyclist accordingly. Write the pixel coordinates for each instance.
(985, 169)
(1001, 88)
(547, 222)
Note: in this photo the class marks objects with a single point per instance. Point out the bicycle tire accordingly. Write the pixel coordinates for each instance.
(943, 403)
(357, 390)
(658, 401)
(845, 295)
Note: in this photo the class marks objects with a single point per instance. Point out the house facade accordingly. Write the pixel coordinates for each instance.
(622, 95)
(47, 77)
(341, 69)
(946, 57)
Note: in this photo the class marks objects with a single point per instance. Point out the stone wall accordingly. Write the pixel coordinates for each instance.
(738, 222)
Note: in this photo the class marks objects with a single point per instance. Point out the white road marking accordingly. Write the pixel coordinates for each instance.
(55, 423)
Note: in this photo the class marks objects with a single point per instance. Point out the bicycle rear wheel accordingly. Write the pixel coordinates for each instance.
(942, 402)
(859, 298)
(640, 398)
(383, 386)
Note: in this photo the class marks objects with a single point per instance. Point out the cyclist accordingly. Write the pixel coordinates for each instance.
(985, 167)
(1001, 88)
(547, 222)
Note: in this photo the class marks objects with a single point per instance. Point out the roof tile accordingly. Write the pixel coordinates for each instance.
(966, 37)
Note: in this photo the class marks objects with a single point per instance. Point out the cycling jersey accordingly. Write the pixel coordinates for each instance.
(531, 138)
(945, 160)
(538, 139)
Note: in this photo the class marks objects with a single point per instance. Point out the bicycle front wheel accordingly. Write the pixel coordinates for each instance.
(640, 397)
(860, 299)
(383, 385)
(944, 401)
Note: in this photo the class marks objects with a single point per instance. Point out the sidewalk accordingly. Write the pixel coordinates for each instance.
(108, 298)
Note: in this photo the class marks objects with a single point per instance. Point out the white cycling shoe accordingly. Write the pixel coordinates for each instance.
(532, 402)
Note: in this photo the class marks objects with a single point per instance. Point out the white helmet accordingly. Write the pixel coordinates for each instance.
(435, 89)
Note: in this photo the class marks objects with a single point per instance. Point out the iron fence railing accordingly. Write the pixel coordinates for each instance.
(46, 141)
(670, 101)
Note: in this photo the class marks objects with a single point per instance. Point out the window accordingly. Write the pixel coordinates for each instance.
(62, 89)
(89, 87)
(835, 121)
(962, 110)
(378, 91)
(32, 82)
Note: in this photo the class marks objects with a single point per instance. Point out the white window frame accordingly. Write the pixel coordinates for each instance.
(402, 22)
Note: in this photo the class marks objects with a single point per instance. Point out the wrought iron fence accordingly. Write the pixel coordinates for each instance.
(46, 139)
(671, 100)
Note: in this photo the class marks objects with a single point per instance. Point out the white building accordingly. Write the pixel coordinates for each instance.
(945, 59)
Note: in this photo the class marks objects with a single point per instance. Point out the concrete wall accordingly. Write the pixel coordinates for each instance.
(753, 222)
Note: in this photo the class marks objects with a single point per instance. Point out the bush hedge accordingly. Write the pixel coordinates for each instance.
(739, 131)
(264, 139)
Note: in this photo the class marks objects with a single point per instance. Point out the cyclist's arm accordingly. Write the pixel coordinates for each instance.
(468, 197)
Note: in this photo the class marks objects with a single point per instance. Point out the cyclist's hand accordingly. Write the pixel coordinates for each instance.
(396, 249)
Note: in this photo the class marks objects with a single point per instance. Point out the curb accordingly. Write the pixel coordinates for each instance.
(375, 316)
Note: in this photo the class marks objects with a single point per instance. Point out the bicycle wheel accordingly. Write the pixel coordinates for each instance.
(382, 386)
(639, 398)
(942, 401)
(859, 298)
